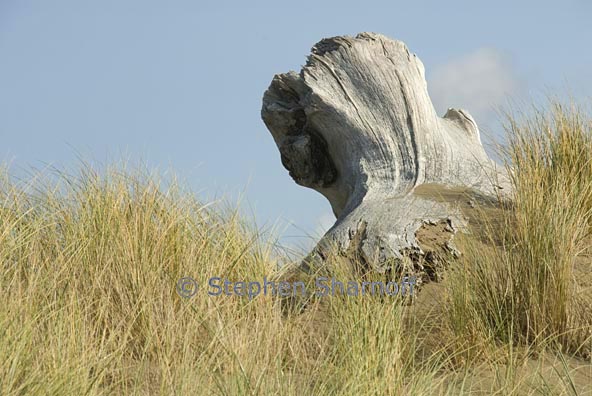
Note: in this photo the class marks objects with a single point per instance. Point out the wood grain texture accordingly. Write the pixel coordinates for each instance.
(358, 126)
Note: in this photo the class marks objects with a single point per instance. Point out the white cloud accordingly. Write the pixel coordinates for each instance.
(479, 82)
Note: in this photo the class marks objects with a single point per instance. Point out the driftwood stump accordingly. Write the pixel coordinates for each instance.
(358, 126)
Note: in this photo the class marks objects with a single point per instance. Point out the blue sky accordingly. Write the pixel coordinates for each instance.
(178, 84)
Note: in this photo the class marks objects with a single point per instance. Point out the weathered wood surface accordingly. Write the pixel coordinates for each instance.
(358, 126)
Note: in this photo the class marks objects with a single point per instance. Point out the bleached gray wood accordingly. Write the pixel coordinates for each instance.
(358, 126)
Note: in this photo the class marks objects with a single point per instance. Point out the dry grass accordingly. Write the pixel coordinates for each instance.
(89, 304)
(89, 265)
(522, 287)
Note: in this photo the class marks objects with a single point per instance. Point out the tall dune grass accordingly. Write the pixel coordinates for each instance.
(525, 289)
(89, 265)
